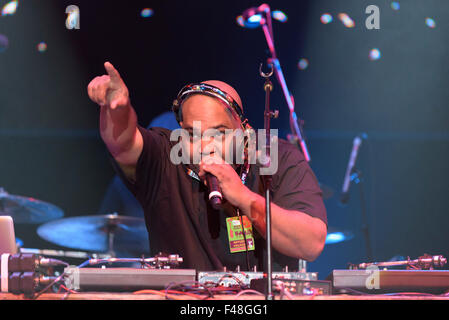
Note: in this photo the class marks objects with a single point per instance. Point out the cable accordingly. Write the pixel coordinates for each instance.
(36, 295)
(182, 283)
(248, 291)
(166, 295)
(409, 294)
(360, 293)
(244, 238)
(68, 291)
(52, 262)
(229, 275)
(352, 291)
(281, 287)
(243, 227)
(204, 289)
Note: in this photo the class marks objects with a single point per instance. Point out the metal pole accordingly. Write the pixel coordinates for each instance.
(268, 87)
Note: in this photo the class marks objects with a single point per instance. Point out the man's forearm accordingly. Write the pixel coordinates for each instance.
(118, 128)
(294, 233)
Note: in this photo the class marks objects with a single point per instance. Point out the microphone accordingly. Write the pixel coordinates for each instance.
(215, 196)
(344, 198)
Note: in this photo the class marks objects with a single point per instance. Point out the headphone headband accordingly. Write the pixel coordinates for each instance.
(210, 90)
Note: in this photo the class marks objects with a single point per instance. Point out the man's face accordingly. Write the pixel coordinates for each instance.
(215, 118)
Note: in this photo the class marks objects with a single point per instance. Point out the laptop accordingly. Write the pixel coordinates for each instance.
(7, 236)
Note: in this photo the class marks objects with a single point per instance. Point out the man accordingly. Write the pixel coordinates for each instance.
(174, 197)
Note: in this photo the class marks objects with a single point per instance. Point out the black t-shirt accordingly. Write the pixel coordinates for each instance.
(180, 220)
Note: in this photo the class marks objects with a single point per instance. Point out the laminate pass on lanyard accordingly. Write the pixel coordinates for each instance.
(235, 234)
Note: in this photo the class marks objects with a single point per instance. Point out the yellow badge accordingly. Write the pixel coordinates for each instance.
(235, 235)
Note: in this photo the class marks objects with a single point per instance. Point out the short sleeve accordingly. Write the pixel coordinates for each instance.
(150, 165)
(295, 186)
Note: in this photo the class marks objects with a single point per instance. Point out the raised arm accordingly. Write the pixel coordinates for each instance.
(118, 120)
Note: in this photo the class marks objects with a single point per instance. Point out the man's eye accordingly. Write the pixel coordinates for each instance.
(194, 136)
(215, 135)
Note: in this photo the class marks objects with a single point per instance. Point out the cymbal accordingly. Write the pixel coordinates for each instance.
(26, 209)
(65, 254)
(335, 236)
(102, 233)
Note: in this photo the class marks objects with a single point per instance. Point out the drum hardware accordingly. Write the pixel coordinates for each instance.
(353, 174)
(26, 209)
(107, 234)
(65, 254)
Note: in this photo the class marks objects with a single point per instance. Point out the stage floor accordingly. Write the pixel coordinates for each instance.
(162, 296)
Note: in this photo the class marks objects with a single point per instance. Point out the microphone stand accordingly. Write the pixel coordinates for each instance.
(294, 126)
(357, 177)
(268, 114)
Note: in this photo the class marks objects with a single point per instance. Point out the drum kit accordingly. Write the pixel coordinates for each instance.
(98, 235)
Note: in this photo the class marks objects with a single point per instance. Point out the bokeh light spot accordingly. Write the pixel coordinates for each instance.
(430, 23)
(279, 16)
(335, 237)
(395, 6)
(239, 21)
(255, 18)
(146, 13)
(4, 43)
(346, 20)
(303, 64)
(374, 54)
(326, 18)
(10, 8)
(42, 47)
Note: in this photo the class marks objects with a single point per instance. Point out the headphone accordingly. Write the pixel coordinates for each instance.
(210, 90)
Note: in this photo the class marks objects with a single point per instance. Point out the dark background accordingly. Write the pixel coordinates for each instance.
(51, 150)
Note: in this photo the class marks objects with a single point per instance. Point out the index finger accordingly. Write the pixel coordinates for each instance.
(112, 72)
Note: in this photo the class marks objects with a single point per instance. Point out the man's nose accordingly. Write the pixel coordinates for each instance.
(207, 146)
